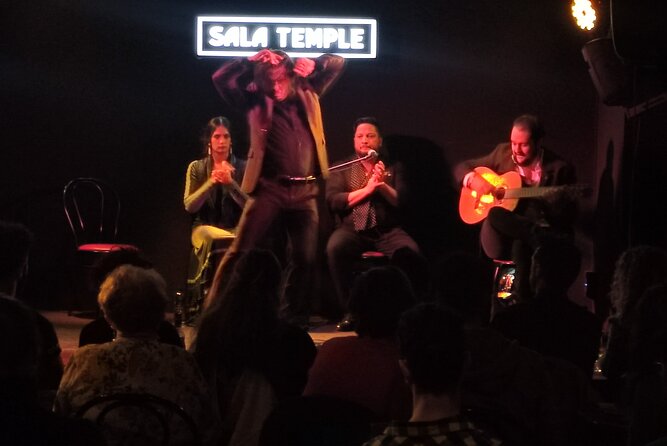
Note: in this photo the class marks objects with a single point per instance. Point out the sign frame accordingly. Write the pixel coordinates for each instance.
(234, 52)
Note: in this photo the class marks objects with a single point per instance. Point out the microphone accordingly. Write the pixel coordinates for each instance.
(372, 154)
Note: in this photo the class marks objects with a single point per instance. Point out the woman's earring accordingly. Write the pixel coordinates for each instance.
(209, 148)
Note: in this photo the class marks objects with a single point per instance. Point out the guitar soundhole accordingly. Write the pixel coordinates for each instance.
(499, 193)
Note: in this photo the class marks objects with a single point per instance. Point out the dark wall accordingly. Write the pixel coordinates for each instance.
(114, 90)
(630, 73)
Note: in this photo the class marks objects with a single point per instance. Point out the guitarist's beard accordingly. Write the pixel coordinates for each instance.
(528, 161)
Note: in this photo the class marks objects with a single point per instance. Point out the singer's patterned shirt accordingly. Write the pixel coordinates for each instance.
(341, 183)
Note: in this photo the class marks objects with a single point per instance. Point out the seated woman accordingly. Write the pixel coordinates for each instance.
(133, 300)
(250, 357)
(214, 200)
(365, 369)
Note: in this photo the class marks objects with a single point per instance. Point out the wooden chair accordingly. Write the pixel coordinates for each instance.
(140, 419)
(92, 208)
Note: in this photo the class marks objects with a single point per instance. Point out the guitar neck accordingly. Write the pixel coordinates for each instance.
(530, 192)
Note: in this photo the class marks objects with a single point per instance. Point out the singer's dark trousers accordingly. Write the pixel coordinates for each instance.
(346, 245)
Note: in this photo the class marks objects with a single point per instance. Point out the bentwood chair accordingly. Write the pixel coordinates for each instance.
(141, 419)
(92, 208)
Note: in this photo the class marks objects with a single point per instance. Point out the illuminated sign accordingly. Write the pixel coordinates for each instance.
(298, 37)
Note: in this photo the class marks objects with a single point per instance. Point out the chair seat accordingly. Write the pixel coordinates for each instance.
(367, 260)
(106, 247)
(221, 245)
(372, 255)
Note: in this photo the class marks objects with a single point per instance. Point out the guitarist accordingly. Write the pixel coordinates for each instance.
(514, 235)
(215, 206)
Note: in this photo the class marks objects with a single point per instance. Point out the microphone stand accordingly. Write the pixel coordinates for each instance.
(371, 154)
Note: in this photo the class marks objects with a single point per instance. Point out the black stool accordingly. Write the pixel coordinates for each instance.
(370, 259)
(503, 285)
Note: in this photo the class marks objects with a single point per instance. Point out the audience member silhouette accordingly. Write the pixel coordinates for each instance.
(317, 421)
(15, 243)
(550, 323)
(22, 420)
(432, 351)
(364, 368)
(637, 269)
(647, 380)
(99, 331)
(251, 357)
(133, 300)
(417, 269)
(505, 386)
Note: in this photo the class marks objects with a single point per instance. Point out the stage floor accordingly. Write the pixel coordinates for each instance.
(68, 328)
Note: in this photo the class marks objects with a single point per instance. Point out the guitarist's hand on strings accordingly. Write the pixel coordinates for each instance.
(223, 174)
(477, 183)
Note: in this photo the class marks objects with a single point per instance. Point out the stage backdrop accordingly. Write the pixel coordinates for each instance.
(114, 90)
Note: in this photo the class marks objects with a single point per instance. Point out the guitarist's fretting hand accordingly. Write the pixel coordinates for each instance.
(477, 183)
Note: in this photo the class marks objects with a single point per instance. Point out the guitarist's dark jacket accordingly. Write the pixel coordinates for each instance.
(559, 210)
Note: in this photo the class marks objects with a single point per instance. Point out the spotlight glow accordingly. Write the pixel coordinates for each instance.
(584, 13)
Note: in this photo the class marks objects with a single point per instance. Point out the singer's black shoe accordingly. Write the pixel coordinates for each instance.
(348, 323)
(298, 320)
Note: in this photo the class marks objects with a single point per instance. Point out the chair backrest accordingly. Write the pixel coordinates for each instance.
(141, 419)
(92, 208)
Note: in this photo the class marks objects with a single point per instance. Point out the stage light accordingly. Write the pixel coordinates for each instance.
(584, 13)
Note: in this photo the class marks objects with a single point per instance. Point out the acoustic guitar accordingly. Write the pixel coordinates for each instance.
(474, 207)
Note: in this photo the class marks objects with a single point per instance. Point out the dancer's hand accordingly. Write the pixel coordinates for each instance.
(266, 56)
(303, 67)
